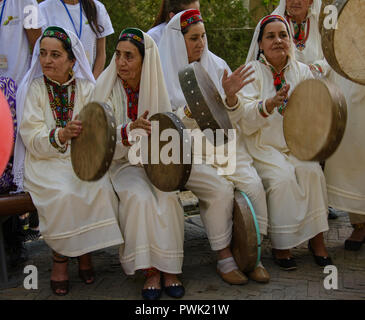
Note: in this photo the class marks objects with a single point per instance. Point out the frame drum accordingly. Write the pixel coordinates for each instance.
(344, 47)
(166, 176)
(314, 120)
(246, 241)
(204, 100)
(93, 150)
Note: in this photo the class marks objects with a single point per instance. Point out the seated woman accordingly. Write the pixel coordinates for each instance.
(184, 41)
(295, 190)
(152, 221)
(76, 217)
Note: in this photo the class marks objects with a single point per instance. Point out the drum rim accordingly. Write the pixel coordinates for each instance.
(337, 125)
(187, 167)
(190, 72)
(109, 119)
(327, 41)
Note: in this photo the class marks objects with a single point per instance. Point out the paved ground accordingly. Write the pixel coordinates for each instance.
(200, 278)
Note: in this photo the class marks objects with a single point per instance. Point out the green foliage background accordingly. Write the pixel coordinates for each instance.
(227, 23)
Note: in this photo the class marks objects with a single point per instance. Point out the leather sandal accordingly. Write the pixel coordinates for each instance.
(87, 275)
(59, 286)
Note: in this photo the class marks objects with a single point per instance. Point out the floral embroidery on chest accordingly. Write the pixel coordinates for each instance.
(300, 33)
(62, 108)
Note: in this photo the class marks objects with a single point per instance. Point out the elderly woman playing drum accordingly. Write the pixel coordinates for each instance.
(152, 221)
(75, 217)
(295, 190)
(183, 42)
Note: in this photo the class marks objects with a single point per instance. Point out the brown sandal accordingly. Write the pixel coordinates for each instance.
(59, 285)
(86, 275)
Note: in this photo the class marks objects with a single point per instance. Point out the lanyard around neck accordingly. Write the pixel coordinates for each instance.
(72, 21)
(2, 12)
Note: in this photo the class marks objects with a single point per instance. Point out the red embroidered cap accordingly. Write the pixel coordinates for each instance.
(189, 17)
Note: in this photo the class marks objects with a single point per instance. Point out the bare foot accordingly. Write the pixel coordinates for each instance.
(170, 279)
(282, 254)
(357, 235)
(59, 273)
(224, 253)
(86, 264)
(153, 281)
(318, 246)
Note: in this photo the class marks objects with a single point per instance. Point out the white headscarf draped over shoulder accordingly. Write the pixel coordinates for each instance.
(81, 70)
(254, 47)
(174, 57)
(153, 94)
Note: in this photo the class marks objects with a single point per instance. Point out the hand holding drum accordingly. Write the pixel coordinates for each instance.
(279, 99)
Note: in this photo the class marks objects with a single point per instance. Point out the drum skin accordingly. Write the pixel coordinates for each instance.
(173, 176)
(245, 245)
(204, 100)
(6, 133)
(314, 120)
(344, 47)
(92, 151)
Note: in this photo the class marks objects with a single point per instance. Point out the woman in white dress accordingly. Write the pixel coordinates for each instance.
(295, 190)
(75, 217)
(152, 221)
(88, 19)
(183, 42)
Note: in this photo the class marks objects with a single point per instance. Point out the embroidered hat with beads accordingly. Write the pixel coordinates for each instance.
(58, 33)
(132, 33)
(189, 17)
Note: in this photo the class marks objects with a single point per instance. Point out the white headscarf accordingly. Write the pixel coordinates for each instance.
(81, 70)
(254, 47)
(153, 94)
(174, 57)
(314, 11)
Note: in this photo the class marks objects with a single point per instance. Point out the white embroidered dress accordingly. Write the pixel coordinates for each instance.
(152, 221)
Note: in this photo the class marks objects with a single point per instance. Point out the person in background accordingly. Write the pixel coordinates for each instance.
(88, 19)
(20, 26)
(167, 10)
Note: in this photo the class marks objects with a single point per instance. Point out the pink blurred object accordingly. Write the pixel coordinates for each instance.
(6, 133)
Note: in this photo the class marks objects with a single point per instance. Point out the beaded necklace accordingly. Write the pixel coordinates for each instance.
(132, 97)
(62, 110)
(279, 81)
(300, 36)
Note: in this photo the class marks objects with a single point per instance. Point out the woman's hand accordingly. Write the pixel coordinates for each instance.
(278, 99)
(142, 123)
(72, 130)
(235, 82)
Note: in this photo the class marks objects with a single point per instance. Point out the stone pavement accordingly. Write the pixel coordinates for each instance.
(200, 278)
